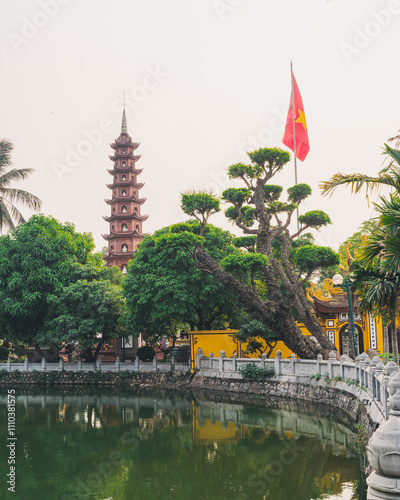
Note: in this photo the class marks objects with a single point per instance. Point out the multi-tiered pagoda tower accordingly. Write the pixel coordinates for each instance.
(125, 220)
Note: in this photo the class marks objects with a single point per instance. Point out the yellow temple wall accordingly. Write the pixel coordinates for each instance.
(217, 340)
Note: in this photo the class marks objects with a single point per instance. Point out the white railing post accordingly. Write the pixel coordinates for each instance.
(343, 360)
(210, 358)
(136, 366)
(331, 359)
(118, 364)
(199, 355)
(61, 364)
(155, 363)
(367, 370)
(263, 358)
(26, 364)
(234, 361)
(277, 362)
(357, 363)
(293, 364)
(9, 364)
(221, 361)
(372, 370)
(378, 377)
(363, 357)
(318, 364)
(44, 364)
(79, 365)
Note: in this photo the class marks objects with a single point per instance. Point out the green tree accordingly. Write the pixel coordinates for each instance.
(9, 196)
(38, 259)
(86, 313)
(165, 290)
(268, 277)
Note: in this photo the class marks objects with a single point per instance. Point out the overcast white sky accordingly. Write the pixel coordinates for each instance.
(205, 80)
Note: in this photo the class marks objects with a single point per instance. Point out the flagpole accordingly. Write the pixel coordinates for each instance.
(294, 137)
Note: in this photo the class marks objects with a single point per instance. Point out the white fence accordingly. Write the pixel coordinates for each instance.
(372, 376)
(136, 366)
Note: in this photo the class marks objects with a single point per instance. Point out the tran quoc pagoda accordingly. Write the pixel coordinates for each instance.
(125, 219)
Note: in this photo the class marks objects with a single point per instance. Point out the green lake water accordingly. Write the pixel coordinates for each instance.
(112, 445)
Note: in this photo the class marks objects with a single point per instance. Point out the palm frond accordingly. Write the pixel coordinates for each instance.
(393, 153)
(357, 182)
(396, 140)
(5, 154)
(18, 195)
(371, 252)
(14, 175)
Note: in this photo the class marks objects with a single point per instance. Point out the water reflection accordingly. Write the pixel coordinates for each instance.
(179, 446)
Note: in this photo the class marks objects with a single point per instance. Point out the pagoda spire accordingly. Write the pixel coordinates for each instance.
(124, 127)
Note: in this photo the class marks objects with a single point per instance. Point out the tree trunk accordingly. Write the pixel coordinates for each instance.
(88, 355)
(274, 313)
(385, 340)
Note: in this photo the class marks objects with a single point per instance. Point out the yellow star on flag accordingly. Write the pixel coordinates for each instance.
(302, 118)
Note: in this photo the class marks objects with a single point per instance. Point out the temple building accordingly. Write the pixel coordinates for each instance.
(125, 219)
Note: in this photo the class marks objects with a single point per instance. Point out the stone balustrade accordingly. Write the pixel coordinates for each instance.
(378, 387)
(117, 366)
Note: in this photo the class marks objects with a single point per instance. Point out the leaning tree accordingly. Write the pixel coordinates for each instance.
(269, 275)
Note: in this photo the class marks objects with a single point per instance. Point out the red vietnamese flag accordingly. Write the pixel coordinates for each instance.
(300, 125)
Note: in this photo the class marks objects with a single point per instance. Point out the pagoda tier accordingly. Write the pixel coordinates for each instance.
(122, 254)
(137, 185)
(116, 199)
(119, 234)
(125, 221)
(116, 169)
(113, 217)
(125, 156)
(122, 141)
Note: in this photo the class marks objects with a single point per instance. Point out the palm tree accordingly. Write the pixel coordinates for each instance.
(379, 256)
(380, 297)
(9, 213)
(381, 249)
(388, 176)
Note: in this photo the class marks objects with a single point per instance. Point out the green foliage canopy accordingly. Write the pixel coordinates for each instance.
(164, 288)
(37, 260)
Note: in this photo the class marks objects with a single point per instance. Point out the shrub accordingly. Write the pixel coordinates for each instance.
(146, 353)
(254, 372)
(3, 352)
(183, 354)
